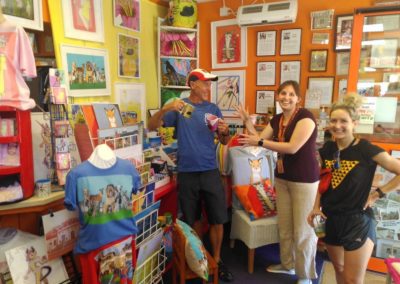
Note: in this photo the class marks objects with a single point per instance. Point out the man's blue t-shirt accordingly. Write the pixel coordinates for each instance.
(196, 148)
(103, 198)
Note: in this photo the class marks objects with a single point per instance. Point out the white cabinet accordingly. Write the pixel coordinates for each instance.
(178, 55)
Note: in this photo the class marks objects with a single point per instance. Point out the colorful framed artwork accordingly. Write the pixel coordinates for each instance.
(128, 56)
(131, 97)
(174, 43)
(126, 14)
(107, 115)
(174, 71)
(83, 19)
(87, 71)
(266, 43)
(228, 44)
(344, 29)
(290, 42)
(28, 15)
(228, 91)
(318, 60)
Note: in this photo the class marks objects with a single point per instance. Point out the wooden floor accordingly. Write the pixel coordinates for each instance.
(328, 276)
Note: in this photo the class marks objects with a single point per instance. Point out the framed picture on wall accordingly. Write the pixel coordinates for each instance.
(290, 70)
(318, 60)
(266, 43)
(131, 97)
(322, 20)
(228, 44)
(87, 71)
(266, 73)
(290, 42)
(342, 63)
(342, 89)
(127, 14)
(320, 38)
(27, 16)
(264, 101)
(344, 29)
(228, 91)
(83, 21)
(323, 86)
(128, 56)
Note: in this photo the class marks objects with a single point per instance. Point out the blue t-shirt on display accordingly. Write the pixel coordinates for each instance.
(103, 198)
(196, 148)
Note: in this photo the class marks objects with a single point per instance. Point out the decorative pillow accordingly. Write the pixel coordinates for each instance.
(259, 200)
(195, 252)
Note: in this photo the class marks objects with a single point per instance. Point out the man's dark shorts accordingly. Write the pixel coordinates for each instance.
(349, 230)
(197, 187)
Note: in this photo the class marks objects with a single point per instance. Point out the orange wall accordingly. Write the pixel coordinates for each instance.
(209, 12)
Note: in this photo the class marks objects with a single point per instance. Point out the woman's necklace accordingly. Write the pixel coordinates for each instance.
(281, 138)
(336, 155)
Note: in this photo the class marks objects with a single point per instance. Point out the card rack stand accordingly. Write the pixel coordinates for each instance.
(147, 226)
(151, 270)
(58, 112)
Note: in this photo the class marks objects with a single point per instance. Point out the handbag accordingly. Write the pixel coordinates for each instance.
(325, 177)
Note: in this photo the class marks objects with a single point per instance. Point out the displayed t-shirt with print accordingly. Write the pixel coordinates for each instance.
(16, 61)
(351, 183)
(104, 200)
(196, 147)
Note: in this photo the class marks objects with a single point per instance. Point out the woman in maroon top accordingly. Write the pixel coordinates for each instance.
(293, 135)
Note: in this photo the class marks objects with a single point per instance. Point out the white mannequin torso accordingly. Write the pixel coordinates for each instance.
(103, 157)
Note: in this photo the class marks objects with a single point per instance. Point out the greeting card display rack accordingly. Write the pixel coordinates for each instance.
(151, 270)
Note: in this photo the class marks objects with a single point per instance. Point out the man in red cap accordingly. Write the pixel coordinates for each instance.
(198, 175)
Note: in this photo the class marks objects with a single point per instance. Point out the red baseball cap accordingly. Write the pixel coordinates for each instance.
(202, 75)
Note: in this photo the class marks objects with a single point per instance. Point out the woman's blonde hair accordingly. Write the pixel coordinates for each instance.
(350, 103)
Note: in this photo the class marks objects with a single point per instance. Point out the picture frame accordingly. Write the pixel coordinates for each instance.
(131, 97)
(342, 89)
(126, 14)
(265, 100)
(320, 38)
(76, 61)
(228, 44)
(87, 28)
(318, 60)
(324, 87)
(343, 34)
(266, 73)
(290, 42)
(322, 20)
(228, 91)
(128, 56)
(28, 18)
(290, 70)
(266, 43)
(342, 63)
(174, 71)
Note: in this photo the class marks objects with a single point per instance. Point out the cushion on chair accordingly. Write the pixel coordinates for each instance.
(259, 200)
(195, 252)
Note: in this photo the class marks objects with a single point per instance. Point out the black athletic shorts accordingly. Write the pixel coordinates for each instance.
(349, 230)
(195, 188)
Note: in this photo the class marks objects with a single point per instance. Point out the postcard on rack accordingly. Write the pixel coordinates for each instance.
(56, 77)
(58, 95)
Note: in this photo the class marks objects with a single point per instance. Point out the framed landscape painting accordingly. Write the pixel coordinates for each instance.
(87, 71)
